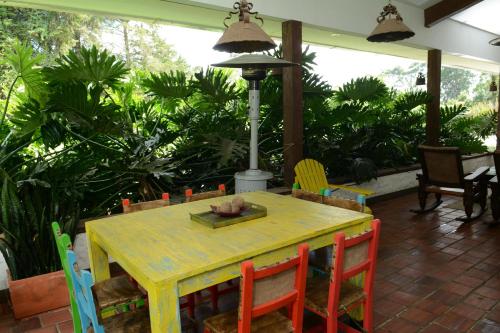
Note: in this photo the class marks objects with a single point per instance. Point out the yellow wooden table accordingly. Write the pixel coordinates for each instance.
(172, 256)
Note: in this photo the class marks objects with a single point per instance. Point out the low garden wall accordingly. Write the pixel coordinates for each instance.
(389, 181)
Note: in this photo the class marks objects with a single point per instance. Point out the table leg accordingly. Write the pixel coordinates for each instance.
(99, 263)
(164, 309)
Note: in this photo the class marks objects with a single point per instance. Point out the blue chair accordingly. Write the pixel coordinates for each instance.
(132, 322)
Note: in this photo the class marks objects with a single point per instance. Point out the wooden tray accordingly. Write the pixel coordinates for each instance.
(214, 221)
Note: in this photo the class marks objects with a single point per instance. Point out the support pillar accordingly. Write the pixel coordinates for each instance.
(498, 117)
(433, 127)
(292, 99)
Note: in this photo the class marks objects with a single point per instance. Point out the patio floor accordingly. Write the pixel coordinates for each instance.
(435, 274)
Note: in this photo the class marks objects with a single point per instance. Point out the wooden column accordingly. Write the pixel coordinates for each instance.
(432, 127)
(498, 117)
(292, 99)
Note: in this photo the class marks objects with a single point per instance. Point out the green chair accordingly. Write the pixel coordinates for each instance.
(63, 244)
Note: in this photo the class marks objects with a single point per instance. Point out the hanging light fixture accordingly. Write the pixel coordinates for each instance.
(390, 26)
(495, 42)
(244, 36)
(420, 79)
(493, 85)
(254, 69)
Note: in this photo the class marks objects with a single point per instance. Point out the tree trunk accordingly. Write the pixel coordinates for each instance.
(126, 43)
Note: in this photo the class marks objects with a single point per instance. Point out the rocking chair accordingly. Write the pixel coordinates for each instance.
(442, 173)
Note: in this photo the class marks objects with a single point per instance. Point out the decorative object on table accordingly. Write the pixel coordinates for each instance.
(442, 173)
(215, 220)
(420, 79)
(230, 209)
(334, 296)
(244, 36)
(254, 67)
(390, 27)
(136, 207)
(264, 292)
(190, 197)
(310, 174)
(133, 321)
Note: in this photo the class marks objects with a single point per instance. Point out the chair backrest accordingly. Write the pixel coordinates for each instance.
(190, 197)
(351, 257)
(272, 288)
(63, 243)
(496, 159)
(442, 166)
(306, 195)
(330, 201)
(310, 174)
(83, 282)
(135, 207)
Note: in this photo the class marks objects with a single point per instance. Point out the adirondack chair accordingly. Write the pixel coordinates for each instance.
(214, 291)
(129, 207)
(134, 321)
(442, 173)
(115, 295)
(310, 174)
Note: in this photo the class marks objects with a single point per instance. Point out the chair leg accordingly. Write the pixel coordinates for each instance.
(332, 323)
(422, 198)
(214, 298)
(495, 201)
(368, 315)
(191, 305)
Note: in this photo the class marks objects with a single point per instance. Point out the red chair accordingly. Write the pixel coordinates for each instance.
(264, 292)
(352, 257)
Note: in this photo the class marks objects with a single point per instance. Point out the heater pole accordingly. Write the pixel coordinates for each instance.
(254, 102)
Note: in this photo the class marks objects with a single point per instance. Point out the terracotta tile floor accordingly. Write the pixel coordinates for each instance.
(435, 274)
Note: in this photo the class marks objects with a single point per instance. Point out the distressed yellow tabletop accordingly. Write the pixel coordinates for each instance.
(172, 256)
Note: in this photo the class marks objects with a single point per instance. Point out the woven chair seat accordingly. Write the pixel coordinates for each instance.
(130, 322)
(274, 322)
(114, 291)
(317, 295)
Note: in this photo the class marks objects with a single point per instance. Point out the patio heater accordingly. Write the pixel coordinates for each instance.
(245, 36)
(254, 69)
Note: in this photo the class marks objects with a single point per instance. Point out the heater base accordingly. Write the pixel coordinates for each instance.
(252, 180)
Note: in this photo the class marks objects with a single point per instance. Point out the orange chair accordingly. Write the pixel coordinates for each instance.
(264, 292)
(135, 207)
(353, 256)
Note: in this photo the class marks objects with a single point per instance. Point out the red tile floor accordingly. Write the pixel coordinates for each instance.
(435, 274)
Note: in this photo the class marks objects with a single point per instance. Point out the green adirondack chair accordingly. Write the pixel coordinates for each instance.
(63, 244)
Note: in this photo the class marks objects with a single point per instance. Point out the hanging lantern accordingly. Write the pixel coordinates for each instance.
(495, 42)
(390, 26)
(493, 85)
(244, 36)
(420, 79)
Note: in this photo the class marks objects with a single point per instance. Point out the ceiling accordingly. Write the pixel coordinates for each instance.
(420, 3)
(483, 16)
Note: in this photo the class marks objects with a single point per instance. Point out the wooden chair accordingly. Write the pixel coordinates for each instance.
(442, 173)
(264, 292)
(114, 295)
(86, 294)
(352, 257)
(320, 258)
(136, 207)
(190, 197)
(310, 174)
(495, 188)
